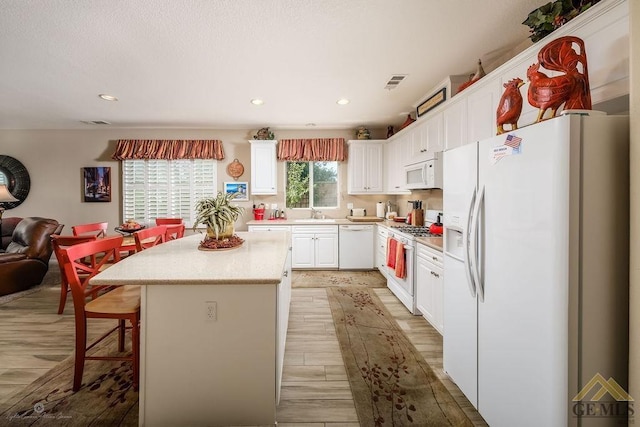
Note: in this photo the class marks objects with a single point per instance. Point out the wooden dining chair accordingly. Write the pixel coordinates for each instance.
(148, 237)
(58, 243)
(175, 232)
(168, 221)
(121, 304)
(98, 229)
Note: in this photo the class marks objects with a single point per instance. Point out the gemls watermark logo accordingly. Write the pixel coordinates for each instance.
(620, 407)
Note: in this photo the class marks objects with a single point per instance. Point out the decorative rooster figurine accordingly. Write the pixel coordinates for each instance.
(510, 105)
(571, 88)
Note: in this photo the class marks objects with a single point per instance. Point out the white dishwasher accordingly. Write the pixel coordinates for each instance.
(356, 247)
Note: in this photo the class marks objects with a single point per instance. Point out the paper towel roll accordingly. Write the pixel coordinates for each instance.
(380, 210)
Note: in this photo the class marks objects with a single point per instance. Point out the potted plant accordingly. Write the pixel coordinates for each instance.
(218, 214)
(552, 15)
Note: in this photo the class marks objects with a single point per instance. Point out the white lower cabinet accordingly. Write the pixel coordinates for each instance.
(429, 286)
(381, 250)
(284, 301)
(315, 246)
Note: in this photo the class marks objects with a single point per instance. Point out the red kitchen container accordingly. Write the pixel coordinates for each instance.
(258, 214)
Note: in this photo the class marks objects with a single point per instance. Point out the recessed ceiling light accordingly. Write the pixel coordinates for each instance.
(108, 97)
(310, 124)
(257, 101)
(342, 101)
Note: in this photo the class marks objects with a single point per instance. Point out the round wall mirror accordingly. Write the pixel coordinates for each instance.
(16, 177)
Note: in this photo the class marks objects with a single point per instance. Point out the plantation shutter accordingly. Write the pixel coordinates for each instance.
(166, 188)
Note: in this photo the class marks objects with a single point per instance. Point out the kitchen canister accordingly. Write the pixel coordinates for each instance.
(380, 210)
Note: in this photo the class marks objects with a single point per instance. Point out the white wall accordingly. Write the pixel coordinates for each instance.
(55, 158)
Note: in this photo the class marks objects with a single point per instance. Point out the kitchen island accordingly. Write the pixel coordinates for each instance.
(213, 329)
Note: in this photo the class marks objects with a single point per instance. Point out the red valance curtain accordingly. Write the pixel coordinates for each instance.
(317, 149)
(168, 149)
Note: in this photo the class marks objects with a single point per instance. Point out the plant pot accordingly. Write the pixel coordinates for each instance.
(224, 234)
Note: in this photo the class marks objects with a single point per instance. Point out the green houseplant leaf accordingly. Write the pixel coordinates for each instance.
(543, 20)
(217, 212)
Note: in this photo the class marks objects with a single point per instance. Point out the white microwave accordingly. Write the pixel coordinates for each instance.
(424, 175)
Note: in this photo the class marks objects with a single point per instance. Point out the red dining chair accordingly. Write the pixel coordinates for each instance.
(175, 232)
(98, 229)
(58, 243)
(148, 237)
(175, 227)
(168, 221)
(121, 304)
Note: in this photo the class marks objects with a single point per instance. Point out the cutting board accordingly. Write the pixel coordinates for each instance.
(364, 218)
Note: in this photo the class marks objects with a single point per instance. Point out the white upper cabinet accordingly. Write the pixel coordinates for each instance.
(455, 123)
(425, 138)
(394, 154)
(482, 103)
(263, 167)
(366, 167)
(434, 135)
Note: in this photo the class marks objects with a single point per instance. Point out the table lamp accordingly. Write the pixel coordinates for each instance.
(5, 196)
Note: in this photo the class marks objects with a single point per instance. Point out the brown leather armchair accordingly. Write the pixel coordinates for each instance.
(25, 259)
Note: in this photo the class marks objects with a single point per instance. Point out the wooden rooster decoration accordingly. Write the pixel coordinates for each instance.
(510, 105)
(570, 88)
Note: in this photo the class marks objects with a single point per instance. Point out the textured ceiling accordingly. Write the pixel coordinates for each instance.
(197, 64)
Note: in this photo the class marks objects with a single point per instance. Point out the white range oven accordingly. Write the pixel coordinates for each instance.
(404, 288)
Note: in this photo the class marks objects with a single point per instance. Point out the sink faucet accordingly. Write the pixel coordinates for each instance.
(315, 214)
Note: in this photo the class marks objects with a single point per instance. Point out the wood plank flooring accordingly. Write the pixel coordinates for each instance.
(315, 390)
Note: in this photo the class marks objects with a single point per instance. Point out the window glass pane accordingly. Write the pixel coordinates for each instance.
(297, 185)
(312, 184)
(325, 184)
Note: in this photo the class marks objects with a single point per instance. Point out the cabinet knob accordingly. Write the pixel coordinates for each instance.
(434, 258)
(435, 274)
(286, 273)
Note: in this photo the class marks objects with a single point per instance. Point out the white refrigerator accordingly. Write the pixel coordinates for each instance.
(536, 270)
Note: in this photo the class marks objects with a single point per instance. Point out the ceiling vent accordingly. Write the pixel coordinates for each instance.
(95, 122)
(394, 81)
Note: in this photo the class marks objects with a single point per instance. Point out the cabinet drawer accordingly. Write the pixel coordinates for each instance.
(430, 254)
(269, 228)
(315, 229)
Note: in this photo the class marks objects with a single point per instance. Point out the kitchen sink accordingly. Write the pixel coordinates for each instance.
(316, 220)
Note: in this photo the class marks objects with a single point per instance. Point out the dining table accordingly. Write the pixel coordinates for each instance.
(213, 328)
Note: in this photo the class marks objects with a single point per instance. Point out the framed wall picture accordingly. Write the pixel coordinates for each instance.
(238, 187)
(97, 184)
(433, 101)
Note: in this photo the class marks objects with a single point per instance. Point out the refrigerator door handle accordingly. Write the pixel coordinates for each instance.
(474, 245)
(466, 244)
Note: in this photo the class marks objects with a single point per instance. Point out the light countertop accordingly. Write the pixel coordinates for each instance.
(260, 260)
(432, 242)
